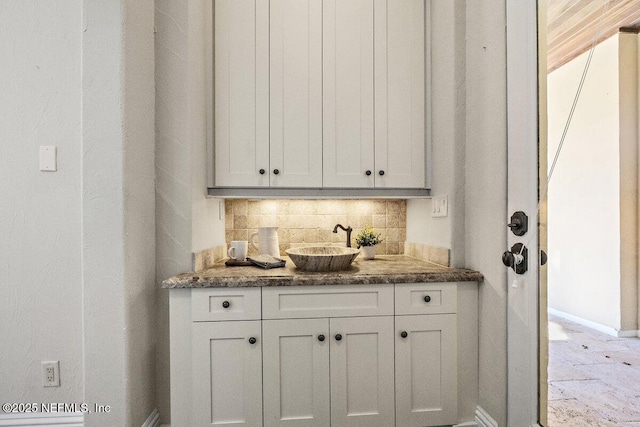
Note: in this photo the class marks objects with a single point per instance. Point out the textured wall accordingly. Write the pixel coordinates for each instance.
(186, 220)
(311, 221)
(118, 210)
(40, 212)
(139, 208)
(485, 170)
(447, 133)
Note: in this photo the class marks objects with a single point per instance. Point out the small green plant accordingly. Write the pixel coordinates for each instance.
(368, 237)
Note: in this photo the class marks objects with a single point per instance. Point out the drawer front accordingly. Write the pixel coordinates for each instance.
(213, 305)
(426, 298)
(295, 302)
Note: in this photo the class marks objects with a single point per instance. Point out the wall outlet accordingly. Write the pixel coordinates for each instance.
(51, 373)
(439, 206)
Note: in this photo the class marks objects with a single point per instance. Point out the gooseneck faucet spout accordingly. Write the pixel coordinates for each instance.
(348, 230)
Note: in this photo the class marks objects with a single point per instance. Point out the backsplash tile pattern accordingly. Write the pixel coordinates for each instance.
(440, 256)
(207, 258)
(303, 222)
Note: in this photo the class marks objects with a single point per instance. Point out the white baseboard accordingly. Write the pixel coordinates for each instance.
(467, 424)
(60, 419)
(595, 325)
(153, 420)
(484, 419)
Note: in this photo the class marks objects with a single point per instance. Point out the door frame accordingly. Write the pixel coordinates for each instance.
(522, 194)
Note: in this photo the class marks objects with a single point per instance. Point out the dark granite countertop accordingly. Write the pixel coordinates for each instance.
(383, 269)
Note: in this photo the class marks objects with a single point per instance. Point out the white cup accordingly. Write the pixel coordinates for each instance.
(238, 250)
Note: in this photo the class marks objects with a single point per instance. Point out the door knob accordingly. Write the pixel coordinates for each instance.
(516, 258)
(252, 340)
(338, 337)
(404, 334)
(320, 337)
(226, 304)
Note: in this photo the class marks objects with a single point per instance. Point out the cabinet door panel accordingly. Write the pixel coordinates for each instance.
(296, 373)
(362, 391)
(296, 93)
(228, 388)
(426, 379)
(241, 92)
(348, 93)
(400, 93)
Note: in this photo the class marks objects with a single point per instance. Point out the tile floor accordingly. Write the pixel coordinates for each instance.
(594, 378)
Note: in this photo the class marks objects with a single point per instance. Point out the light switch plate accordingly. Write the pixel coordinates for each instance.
(48, 158)
(439, 206)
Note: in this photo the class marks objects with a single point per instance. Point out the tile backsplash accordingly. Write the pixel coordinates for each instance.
(303, 222)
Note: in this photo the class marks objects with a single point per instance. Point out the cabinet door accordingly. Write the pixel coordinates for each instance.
(400, 93)
(348, 139)
(241, 92)
(362, 392)
(296, 93)
(296, 373)
(426, 379)
(227, 372)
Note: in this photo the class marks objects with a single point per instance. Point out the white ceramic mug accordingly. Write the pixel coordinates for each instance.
(238, 250)
(268, 241)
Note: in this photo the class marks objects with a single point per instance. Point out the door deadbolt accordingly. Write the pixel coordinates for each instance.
(519, 223)
(517, 258)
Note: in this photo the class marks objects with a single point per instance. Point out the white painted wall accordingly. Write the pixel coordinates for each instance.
(78, 253)
(485, 192)
(470, 165)
(118, 210)
(585, 201)
(187, 221)
(447, 134)
(40, 212)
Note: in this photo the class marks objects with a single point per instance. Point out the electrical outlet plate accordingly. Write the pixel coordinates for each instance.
(51, 373)
(439, 206)
(48, 158)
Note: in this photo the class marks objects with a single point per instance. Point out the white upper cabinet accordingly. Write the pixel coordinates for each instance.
(320, 93)
(241, 92)
(348, 149)
(400, 93)
(296, 93)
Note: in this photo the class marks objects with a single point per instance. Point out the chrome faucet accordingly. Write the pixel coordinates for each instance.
(348, 230)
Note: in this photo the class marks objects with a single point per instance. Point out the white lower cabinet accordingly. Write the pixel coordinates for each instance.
(328, 372)
(296, 372)
(227, 385)
(425, 364)
(321, 356)
(362, 392)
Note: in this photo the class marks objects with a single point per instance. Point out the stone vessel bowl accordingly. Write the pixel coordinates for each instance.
(322, 258)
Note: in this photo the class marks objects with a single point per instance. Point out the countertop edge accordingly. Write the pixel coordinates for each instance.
(192, 280)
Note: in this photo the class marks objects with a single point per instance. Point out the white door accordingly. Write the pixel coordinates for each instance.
(227, 372)
(296, 372)
(241, 93)
(348, 139)
(296, 93)
(400, 93)
(522, 195)
(362, 359)
(426, 375)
